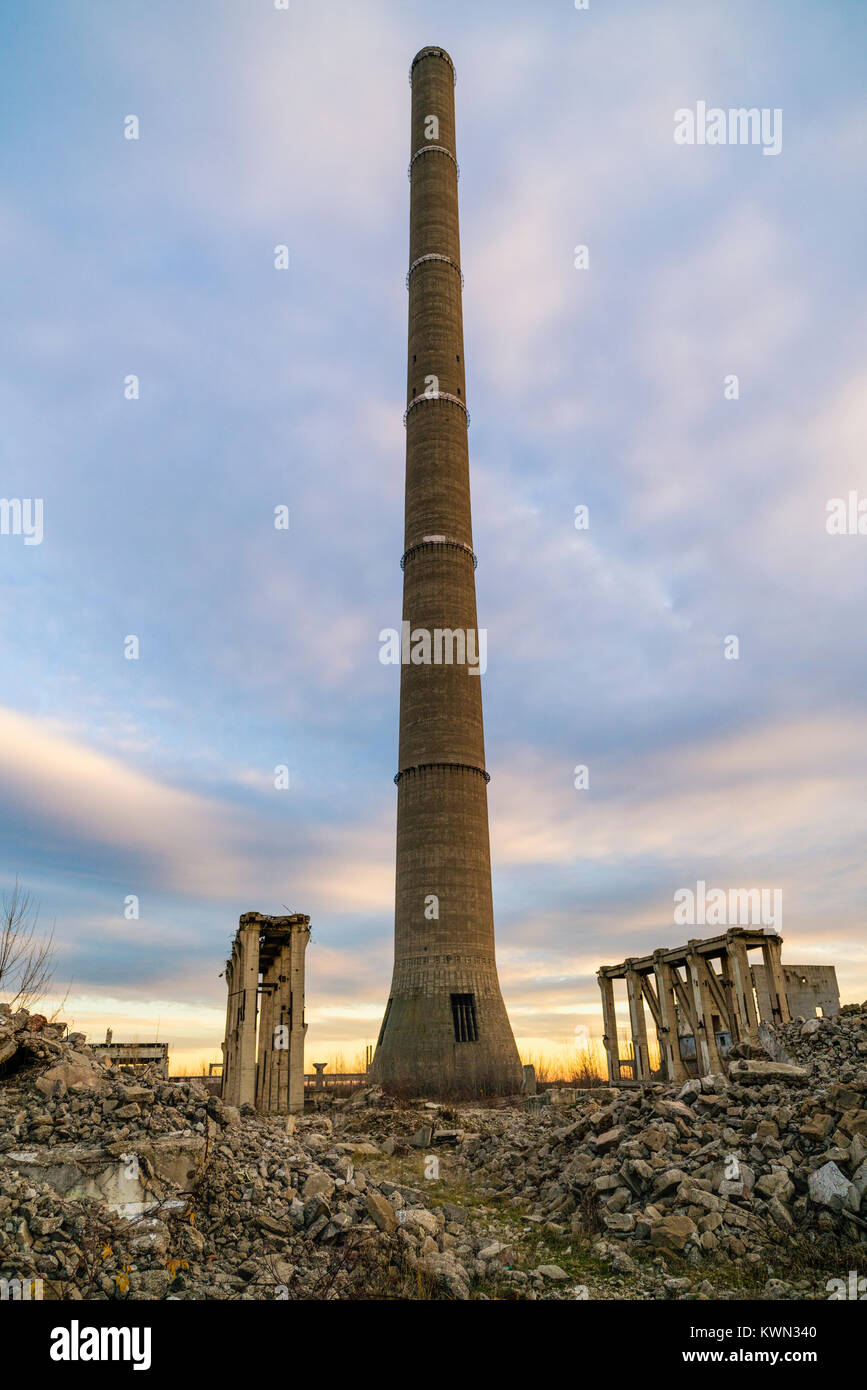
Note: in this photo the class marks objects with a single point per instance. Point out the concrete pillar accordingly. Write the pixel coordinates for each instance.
(707, 1052)
(298, 945)
(248, 993)
(609, 1028)
(638, 1024)
(742, 989)
(227, 1046)
(264, 1100)
(775, 980)
(281, 1033)
(669, 1044)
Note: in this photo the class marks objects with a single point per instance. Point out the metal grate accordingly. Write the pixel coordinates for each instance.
(464, 1018)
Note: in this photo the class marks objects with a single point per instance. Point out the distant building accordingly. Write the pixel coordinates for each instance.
(133, 1057)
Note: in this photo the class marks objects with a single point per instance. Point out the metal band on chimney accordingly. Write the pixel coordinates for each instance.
(440, 396)
(432, 149)
(434, 256)
(438, 767)
(444, 542)
(433, 53)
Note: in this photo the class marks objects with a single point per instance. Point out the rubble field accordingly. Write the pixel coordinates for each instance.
(746, 1186)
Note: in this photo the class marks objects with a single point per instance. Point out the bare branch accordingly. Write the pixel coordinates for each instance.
(27, 956)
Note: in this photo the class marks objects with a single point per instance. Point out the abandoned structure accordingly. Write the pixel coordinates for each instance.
(263, 1051)
(810, 989)
(445, 1029)
(699, 1011)
(133, 1057)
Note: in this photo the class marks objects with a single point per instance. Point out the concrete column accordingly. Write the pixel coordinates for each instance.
(281, 1018)
(707, 1052)
(742, 988)
(775, 980)
(231, 1089)
(669, 1045)
(248, 987)
(228, 1046)
(728, 989)
(266, 1042)
(298, 946)
(609, 1028)
(638, 1023)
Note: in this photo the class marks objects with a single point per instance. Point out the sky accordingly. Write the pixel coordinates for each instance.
(605, 386)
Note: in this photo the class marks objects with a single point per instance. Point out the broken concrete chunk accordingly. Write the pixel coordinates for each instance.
(672, 1233)
(760, 1072)
(828, 1187)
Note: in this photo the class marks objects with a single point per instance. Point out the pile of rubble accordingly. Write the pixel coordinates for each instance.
(722, 1168)
(140, 1188)
(114, 1186)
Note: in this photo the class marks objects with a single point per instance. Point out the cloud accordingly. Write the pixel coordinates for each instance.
(63, 788)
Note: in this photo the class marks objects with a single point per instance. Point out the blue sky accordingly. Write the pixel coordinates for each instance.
(260, 387)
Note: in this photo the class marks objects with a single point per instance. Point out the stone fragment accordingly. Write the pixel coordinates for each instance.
(828, 1186)
(758, 1073)
(381, 1212)
(672, 1233)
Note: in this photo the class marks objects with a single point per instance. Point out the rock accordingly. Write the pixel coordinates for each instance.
(318, 1185)
(671, 1178)
(77, 1072)
(620, 1221)
(777, 1183)
(672, 1233)
(490, 1252)
(422, 1137)
(828, 1186)
(758, 1073)
(653, 1138)
(551, 1272)
(854, 1122)
(444, 1270)
(780, 1214)
(381, 1212)
(610, 1139)
(420, 1219)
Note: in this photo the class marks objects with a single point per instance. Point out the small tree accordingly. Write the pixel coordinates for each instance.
(26, 954)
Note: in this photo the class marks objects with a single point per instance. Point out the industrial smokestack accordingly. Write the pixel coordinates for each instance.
(445, 1029)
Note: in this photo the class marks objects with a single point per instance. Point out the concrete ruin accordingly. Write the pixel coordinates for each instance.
(133, 1056)
(263, 1050)
(690, 998)
(812, 990)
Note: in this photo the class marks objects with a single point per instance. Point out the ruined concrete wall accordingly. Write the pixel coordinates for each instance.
(807, 987)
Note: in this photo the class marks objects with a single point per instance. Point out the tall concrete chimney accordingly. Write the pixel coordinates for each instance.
(445, 1029)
